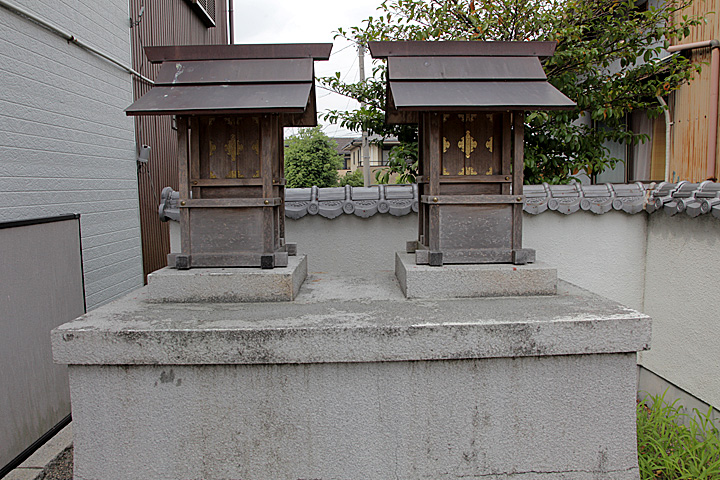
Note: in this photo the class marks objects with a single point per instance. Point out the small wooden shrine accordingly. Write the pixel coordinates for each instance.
(468, 99)
(231, 103)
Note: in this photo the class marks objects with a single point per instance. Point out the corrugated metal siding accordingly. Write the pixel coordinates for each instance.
(164, 22)
(688, 159)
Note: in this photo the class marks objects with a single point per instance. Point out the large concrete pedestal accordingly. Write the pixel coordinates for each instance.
(340, 387)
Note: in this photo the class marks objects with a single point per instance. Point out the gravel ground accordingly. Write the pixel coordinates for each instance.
(61, 468)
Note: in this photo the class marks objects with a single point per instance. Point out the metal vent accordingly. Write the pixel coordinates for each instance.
(205, 10)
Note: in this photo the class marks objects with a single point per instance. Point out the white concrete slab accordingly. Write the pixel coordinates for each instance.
(319, 328)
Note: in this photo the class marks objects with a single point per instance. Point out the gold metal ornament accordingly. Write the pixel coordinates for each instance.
(467, 144)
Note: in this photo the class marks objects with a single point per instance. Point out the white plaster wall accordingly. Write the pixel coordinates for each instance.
(683, 255)
(66, 145)
(602, 253)
(351, 245)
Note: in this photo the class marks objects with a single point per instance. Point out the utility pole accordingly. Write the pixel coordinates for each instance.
(364, 148)
(231, 22)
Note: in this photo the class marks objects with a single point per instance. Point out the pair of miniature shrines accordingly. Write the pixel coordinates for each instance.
(467, 98)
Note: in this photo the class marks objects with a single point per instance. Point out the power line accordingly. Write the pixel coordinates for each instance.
(344, 48)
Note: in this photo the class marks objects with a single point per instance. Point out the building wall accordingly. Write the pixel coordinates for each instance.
(66, 145)
(164, 22)
(683, 255)
(349, 244)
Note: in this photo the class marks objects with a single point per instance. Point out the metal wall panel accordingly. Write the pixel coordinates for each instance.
(690, 106)
(41, 288)
(164, 22)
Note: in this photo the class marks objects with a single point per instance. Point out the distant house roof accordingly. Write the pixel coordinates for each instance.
(342, 142)
(234, 79)
(466, 76)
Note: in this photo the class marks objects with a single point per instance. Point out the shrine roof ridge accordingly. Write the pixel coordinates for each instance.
(380, 49)
(316, 51)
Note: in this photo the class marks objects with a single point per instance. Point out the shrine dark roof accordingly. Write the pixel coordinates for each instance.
(466, 76)
(234, 79)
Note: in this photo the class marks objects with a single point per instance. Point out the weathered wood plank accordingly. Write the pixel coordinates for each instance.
(504, 178)
(468, 227)
(518, 166)
(184, 187)
(470, 199)
(269, 125)
(230, 202)
(506, 135)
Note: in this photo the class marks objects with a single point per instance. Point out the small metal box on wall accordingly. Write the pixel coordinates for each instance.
(232, 102)
(468, 99)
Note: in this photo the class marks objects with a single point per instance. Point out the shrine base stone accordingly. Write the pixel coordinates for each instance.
(336, 386)
(242, 284)
(474, 280)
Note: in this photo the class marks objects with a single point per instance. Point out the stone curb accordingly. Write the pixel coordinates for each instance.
(34, 467)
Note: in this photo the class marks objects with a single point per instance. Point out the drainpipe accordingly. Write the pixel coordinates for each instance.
(70, 38)
(714, 45)
(668, 124)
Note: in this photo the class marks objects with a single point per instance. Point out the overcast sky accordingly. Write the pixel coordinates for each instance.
(309, 21)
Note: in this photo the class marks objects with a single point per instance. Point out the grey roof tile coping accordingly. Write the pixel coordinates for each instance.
(693, 199)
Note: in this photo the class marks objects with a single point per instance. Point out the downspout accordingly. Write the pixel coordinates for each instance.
(714, 83)
(668, 124)
(70, 38)
(231, 22)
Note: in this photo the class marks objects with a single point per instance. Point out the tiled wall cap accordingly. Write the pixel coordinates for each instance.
(693, 199)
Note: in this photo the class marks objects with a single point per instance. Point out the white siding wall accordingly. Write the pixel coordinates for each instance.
(66, 145)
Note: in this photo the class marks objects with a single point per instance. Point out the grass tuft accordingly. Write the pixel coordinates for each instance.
(674, 445)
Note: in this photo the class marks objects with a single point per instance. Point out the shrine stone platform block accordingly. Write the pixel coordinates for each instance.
(475, 280)
(228, 284)
(345, 387)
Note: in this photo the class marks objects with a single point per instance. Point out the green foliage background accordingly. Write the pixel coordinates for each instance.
(354, 179)
(607, 61)
(311, 159)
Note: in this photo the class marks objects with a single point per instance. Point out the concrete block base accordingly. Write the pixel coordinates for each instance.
(340, 388)
(228, 284)
(468, 281)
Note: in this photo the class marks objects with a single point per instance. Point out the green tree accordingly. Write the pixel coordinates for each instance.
(354, 179)
(607, 60)
(311, 159)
